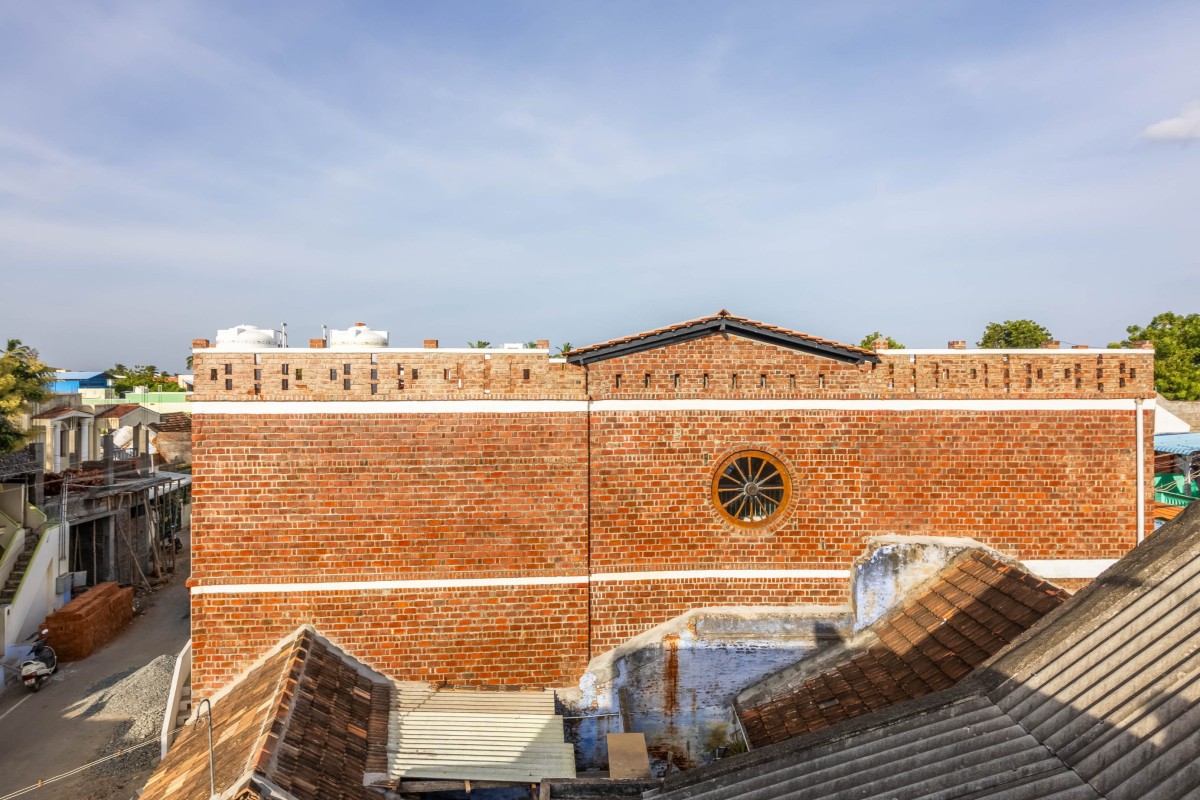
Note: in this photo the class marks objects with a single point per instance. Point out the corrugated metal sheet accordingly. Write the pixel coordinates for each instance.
(459, 734)
(1184, 444)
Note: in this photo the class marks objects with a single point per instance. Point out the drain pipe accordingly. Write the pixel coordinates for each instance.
(1141, 473)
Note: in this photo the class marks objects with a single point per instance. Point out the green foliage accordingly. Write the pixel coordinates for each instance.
(565, 348)
(126, 379)
(868, 342)
(1176, 341)
(1014, 334)
(23, 380)
(479, 344)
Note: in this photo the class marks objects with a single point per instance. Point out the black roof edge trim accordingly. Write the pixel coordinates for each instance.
(721, 326)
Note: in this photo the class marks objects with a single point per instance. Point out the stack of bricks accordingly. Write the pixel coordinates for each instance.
(89, 621)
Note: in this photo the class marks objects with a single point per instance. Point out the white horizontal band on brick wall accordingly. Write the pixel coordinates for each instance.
(351, 407)
(374, 586)
(1028, 404)
(1069, 568)
(721, 574)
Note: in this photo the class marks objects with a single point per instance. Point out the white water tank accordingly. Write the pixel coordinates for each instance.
(358, 336)
(246, 337)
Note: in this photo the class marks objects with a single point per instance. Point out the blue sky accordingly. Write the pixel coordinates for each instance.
(571, 171)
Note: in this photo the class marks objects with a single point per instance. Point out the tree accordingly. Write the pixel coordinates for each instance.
(23, 380)
(1014, 334)
(564, 349)
(868, 342)
(126, 379)
(1176, 340)
(479, 344)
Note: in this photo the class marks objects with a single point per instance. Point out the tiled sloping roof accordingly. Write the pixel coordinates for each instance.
(970, 611)
(239, 719)
(330, 728)
(174, 422)
(117, 411)
(1098, 701)
(61, 411)
(307, 719)
(721, 315)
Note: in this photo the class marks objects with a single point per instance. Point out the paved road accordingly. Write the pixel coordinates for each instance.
(37, 737)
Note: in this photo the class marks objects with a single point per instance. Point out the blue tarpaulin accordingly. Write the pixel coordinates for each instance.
(1183, 444)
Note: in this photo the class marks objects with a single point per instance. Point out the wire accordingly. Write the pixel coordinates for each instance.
(122, 752)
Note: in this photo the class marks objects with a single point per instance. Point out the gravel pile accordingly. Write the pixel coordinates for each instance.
(139, 697)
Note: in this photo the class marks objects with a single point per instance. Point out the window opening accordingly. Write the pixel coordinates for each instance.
(751, 488)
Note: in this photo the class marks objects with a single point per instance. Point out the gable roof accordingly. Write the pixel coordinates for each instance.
(720, 322)
(1097, 700)
(119, 410)
(307, 721)
(967, 613)
(63, 412)
(173, 422)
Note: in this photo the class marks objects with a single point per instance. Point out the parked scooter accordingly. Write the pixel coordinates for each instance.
(41, 664)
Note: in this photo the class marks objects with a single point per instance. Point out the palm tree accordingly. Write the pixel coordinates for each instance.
(479, 344)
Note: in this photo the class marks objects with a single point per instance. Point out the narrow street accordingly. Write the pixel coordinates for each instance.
(63, 726)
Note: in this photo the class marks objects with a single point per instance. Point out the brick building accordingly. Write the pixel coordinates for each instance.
(500, 516)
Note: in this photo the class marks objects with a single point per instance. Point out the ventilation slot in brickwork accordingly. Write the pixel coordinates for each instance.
(415, 374)
(283, 384)
(212, 374)
(704, 381)
(675, 380)
(229, 369)
(792, 381)
(374, 388)
(374, 374)
(733, 381)
(445, 374)
(228, 384)
(616, 381)
(283, 369)
(258, 358)
(1132, 373)
(525, 374)
(346, 385)
(1039, 373)
(820, 381)
(299, 374)
(258, 374)
(646, 381)
(762, 381)
(333, 374)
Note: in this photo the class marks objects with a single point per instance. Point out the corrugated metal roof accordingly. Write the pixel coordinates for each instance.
(1184, 444)
(463, 734)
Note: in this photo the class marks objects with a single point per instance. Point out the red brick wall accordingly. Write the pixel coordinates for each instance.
(319, 497)
(532, 636)
(315, 497)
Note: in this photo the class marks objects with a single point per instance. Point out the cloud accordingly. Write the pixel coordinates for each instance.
(1177, 129)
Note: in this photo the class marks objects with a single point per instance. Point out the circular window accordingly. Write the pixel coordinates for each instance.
(751, 488)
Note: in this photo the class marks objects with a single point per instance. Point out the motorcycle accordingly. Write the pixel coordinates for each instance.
(41, 664)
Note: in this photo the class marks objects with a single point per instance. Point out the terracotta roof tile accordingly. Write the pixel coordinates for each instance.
(972, 609)
(174, 422)
(722, 314)
(117, 411)
(307, 719)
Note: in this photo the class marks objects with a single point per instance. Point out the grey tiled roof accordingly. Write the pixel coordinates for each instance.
(1098, 700)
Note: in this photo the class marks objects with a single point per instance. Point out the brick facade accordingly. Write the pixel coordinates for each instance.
(534, 525)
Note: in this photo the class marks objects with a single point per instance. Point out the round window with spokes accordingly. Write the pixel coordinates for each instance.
(751, 488)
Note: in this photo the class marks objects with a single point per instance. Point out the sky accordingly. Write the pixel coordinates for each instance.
(511, 171)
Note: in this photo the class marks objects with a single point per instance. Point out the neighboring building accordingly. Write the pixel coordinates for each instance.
(499, 516)
(1096, 702)
(173, 438)
(88, 385)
